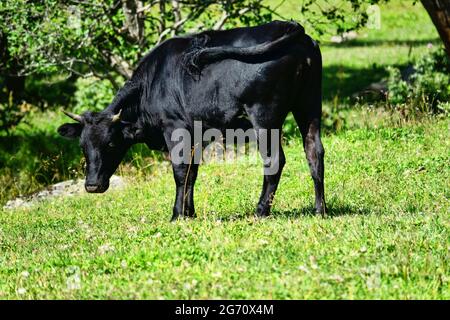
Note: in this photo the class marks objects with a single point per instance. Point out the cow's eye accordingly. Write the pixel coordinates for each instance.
(111, 145)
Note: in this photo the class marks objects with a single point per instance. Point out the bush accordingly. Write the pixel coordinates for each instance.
(49, 91)
(92, 94)
(11, 112)
(334, 119)
(427, 89)
(35, 92)
(33, 156)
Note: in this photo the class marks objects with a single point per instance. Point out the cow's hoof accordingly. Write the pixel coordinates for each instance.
(262, 212)
(181, 217)
(322, 212)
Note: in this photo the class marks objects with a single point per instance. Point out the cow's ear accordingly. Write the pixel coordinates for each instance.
(130, 131)
(70, 130)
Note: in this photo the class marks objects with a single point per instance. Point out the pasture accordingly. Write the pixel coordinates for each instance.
(387, 188)
(386, 237)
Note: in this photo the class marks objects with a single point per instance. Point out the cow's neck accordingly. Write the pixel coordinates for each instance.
(128, 101)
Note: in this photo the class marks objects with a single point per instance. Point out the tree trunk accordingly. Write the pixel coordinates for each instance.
(439, 11)
(134, 19)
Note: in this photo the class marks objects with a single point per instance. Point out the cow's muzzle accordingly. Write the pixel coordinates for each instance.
(95, 188)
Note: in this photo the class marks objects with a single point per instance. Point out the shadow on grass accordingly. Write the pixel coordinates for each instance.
(343, 81)
(380, 42)
(39, 152)
(333, 210)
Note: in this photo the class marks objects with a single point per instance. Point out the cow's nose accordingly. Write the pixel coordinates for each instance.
(91, 187)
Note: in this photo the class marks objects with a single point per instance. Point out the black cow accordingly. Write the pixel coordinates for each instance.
(261, 72)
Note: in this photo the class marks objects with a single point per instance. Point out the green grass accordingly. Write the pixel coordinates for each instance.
(387, 237)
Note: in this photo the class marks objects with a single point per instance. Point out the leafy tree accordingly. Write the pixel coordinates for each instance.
(106, 37)
(324, 17)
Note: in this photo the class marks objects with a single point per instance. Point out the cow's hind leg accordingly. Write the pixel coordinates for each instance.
(274, 161)
(269, 143)
(315, 153)
(308, 117)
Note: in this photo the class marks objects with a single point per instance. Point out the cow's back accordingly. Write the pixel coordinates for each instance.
(220, 93)
(246, 36)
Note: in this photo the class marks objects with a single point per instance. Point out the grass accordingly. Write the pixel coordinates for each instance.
(387, 186)
(387, 236)
(405, 32)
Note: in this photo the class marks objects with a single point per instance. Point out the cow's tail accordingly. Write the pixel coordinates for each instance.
(199, 55)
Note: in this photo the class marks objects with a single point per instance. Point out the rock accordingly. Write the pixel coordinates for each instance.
(116, 182)
(16, 203)
(60, 189)
(374, 91)
(346, 36)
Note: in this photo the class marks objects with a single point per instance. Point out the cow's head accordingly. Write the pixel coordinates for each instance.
(104, 139)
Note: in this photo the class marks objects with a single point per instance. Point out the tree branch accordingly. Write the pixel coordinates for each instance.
(225, 15)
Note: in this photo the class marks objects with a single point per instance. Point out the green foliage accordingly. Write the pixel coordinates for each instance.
(49, 91)
(105, 37)
(11, 112)
(334, 119)
(92, 94)
(398, 88)
(39, 93)
(428, 88)
(335, 16)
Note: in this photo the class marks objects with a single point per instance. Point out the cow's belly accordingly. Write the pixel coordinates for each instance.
(225, 89)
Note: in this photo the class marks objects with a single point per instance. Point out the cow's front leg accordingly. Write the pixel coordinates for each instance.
(184, 175)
